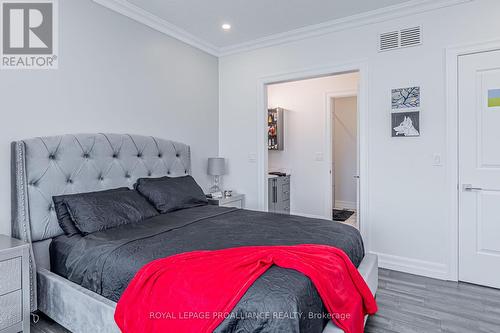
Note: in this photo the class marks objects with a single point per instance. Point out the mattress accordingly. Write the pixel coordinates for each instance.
(281, 300)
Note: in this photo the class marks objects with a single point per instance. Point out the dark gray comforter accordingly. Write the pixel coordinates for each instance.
(281, 300)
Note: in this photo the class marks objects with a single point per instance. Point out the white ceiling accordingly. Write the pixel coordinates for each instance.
(253, 19)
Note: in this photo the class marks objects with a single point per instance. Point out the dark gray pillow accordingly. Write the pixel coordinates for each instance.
(64, 218)
(169, 194)
(97, 211)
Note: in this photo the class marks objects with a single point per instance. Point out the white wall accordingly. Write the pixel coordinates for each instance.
(345, 150)
(305, 137)
(407, 196)
(115, 75)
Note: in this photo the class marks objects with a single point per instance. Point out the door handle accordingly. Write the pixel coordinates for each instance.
(469, 188)
(275, 192)
(355, 177)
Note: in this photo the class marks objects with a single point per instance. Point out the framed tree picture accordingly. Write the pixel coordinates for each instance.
(405, 98)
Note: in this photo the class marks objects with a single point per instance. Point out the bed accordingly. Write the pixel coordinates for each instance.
(77, 281)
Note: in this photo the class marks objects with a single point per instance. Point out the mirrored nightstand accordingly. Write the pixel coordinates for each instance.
(236, 200)
(14, 285)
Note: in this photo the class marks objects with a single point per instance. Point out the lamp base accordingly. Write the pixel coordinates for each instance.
(215, 188)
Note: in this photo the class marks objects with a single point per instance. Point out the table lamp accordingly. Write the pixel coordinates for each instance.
(216, 168)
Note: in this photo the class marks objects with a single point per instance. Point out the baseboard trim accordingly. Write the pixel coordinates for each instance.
(345, 204)
(413, 266)
(312, 216)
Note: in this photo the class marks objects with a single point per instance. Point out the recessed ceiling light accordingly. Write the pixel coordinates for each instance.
(226, 26)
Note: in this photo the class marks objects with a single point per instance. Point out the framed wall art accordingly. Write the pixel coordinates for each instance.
(405, 98)
(405, 124)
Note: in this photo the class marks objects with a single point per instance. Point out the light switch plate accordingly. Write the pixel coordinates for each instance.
(252, 157)
(319, 156)
(437, 159)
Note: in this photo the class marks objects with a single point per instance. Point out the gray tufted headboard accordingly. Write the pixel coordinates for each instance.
(49, 166)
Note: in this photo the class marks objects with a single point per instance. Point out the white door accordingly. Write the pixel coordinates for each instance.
(479, 168)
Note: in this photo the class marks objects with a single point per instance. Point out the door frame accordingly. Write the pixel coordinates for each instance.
(452, 144)
(361, 67)
(330, 119)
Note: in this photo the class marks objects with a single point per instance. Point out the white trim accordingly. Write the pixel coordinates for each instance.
(452, 54)
(411, 7)
(219, 118)
(412, 266)
(329, 147)
(312, 216)
(345, 204)
(145, 17)
(261, 113)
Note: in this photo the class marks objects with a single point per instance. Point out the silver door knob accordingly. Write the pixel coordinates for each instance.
(355, 177)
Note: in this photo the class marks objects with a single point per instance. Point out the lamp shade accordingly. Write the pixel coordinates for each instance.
(216, 166)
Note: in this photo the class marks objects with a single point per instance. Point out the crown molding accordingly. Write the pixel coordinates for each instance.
(375, 16)
(145, 17)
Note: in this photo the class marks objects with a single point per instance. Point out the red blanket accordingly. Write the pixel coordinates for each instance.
(194, 291)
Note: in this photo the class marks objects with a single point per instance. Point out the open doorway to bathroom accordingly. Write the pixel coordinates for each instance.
(303, 153)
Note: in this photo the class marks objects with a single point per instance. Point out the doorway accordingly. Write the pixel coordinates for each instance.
(303, 150)
(344, 158)
(261, 156)
(479, 168)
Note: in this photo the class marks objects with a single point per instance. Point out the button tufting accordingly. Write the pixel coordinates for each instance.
(74, 156)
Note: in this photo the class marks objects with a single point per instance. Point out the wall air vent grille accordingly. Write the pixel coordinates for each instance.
(389, 41)
(411, 37)
(399, 39)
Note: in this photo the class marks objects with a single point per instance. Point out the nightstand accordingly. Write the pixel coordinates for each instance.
(14, 286)
(236, 201)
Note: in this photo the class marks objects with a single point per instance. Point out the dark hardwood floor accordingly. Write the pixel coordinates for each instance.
(413, 304)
